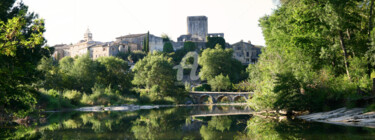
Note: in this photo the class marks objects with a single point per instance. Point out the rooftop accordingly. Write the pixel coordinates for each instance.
(132, 35)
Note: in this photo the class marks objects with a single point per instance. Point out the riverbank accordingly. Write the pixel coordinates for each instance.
(343, 116)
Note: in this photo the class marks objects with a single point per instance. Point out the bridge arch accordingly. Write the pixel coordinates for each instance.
(240, 98)
(220, 98)
(209, 98)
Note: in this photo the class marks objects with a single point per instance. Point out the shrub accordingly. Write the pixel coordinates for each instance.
(243, 86)
(73, 95)
(203, 87)
(370, 108)
(220, 82)
(53, 100)
(105, 96)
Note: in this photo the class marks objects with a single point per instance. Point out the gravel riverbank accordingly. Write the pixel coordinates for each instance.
(343, 116)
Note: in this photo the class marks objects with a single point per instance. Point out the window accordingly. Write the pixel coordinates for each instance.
(247, 54)
(113, 49)
(103, 49)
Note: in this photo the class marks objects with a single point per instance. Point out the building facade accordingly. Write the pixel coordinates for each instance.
(132, 40)
(245, 52)
(98, 49)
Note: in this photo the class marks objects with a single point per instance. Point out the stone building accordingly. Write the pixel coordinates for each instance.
(61, 50)
(245, 52)
(106, 49)
(197, 27)
(85, 46)
(98, 49)
(135, 42)
(197, 32)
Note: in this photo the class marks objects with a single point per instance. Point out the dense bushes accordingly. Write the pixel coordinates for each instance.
(105, 96)
(52, 100)
(82, 73)
(132, 56)
(203, 87)
(83, 81)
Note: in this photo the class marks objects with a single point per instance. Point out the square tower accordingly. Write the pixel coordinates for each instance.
(197, 27)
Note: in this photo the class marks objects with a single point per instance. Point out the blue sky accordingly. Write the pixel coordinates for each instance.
(67, 20)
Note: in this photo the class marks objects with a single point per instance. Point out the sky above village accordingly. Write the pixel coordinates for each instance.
(67, 20)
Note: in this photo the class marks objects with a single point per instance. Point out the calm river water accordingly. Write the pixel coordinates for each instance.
(176, 123)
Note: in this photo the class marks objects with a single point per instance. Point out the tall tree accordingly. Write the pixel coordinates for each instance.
(21, 41)
(311, 42)
(219, 61)
(155, 72)
(148, 42)
(168, 47)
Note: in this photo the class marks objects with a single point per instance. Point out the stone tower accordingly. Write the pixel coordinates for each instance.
(88, 35)
(197, 27)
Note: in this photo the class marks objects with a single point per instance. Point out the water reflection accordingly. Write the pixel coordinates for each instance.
(188, 123)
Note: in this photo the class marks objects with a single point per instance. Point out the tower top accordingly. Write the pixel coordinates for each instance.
(88, 35)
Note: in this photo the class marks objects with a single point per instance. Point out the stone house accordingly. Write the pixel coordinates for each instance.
(107, 49)
(135, 42)
(61, 50)
(245, 52)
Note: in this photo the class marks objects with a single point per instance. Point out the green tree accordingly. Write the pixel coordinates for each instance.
(213, 41)
(220, 83)
(116, 73)
(219, 61)
(84, 72)
(168, 47)
(21, 41)
(146, 41)
(156, 72)
(51, 78)
(310, 45)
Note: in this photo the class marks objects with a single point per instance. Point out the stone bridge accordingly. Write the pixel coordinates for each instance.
(215, 97)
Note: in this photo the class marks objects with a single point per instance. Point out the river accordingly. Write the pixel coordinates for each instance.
(187, 123)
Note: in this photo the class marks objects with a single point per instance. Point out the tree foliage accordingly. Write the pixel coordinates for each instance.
(220, 83)
(115, 74)
(213, 41)
(132, 57)
(314, 57)
(219, 61)
(21, 41)
(155, 72)
(189, 46)
(168, 47)
(83, 73)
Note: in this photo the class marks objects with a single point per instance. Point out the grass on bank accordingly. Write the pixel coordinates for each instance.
(56, 100)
